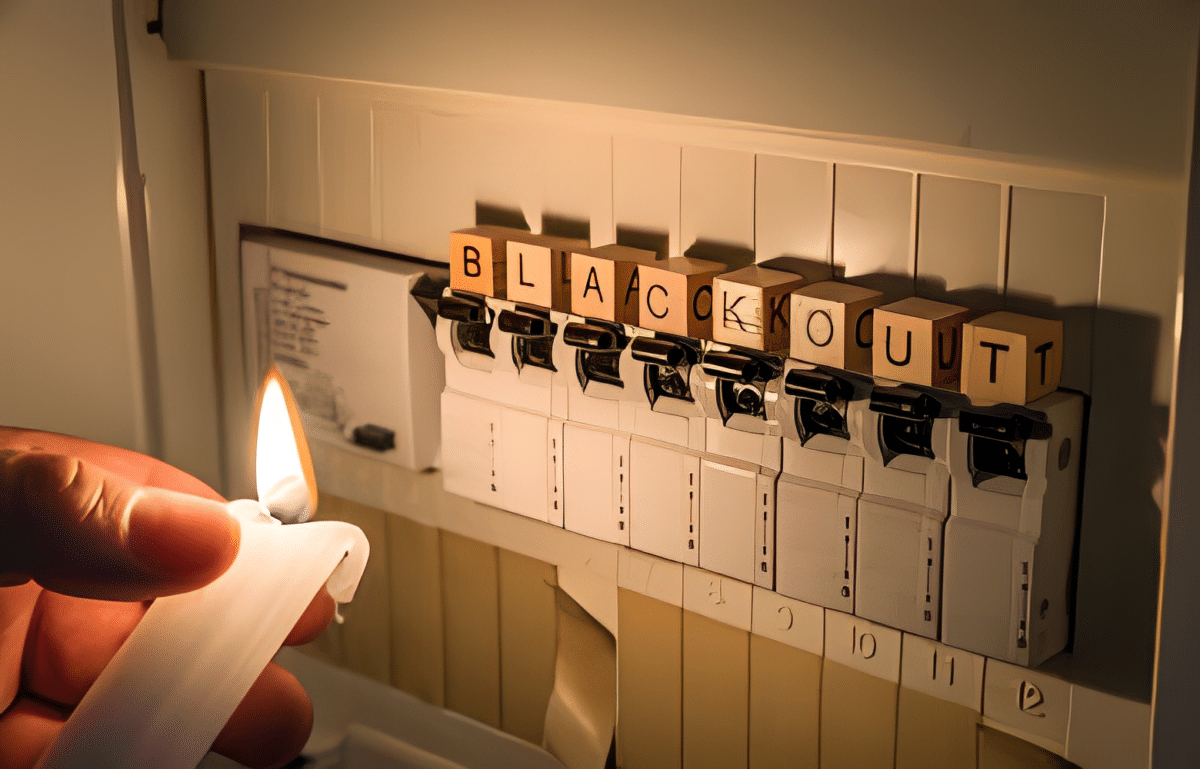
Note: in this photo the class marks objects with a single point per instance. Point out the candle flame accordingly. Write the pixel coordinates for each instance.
(283, 467)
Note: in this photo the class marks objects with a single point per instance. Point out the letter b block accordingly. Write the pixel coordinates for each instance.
(676, 296)
(1011, 358)
(751, 308)
(539, 270)
(832, 325)
(605, 282)
(477, 259)
(919, 341)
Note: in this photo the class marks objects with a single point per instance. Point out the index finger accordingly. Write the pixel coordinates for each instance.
(139, 468)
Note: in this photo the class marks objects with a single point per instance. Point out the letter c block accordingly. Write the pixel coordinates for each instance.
(677, 296)
(919, 341)
(1011, 358)
(832, 325)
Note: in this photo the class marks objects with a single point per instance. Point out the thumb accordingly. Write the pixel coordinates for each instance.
(80, 530)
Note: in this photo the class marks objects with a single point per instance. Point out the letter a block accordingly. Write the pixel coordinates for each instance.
(539, 270)
(676, 296)
(832, 325)
(751, 308)
(477, 259)
(605, 282)
(1011, 358)
(919, 341)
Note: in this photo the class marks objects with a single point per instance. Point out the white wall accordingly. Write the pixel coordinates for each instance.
(1102, 80)
(169, 117)
(69, 358)
(66, 347)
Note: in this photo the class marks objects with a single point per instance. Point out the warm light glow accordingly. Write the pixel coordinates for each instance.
(283, 471)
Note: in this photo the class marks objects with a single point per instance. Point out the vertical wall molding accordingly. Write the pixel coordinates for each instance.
(135, 243)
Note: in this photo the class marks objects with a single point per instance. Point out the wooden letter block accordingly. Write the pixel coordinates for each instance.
(752, 307)
(1011, 358)
(919, 340)
(604, 282)
(540, 270)
(677, 297)
(477, 259)
(832, 324)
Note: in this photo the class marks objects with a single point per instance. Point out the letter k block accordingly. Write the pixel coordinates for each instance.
(751, 308)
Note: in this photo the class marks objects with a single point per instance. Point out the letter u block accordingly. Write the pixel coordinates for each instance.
(676, 296)
(919, 341)
(539, 270)
(477, 259)
(605, 282)
(1011, 358)
(751, 308)
(832, 325)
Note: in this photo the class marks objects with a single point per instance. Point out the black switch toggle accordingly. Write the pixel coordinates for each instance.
(462, 309)
(802, 383)
(590, 336)
(1013, 427)
(904, 403)
(659, 352)
(731, 365)
(521, 324)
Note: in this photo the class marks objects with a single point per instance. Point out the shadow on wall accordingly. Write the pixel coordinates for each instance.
(1119, 535)
(734, 257)
(650, 240)
(567, 227)
(500, 216)
(812, 270)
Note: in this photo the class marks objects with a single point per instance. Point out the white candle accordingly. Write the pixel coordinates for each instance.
(170, 689)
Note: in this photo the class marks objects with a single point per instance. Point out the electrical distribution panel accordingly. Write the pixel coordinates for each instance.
(806, 438)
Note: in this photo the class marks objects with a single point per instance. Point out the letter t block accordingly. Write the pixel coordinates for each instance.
(1011, 358)
(751, 307)
(919, 341)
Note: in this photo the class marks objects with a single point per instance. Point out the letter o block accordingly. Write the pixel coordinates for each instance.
(677, 296)
(1011, 358)
(832, 325)
(605, 282)
(539, 270)
(919, 341)
(477, 259)
(751, 308)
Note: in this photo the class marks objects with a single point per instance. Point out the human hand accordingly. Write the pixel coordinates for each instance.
(79, 566)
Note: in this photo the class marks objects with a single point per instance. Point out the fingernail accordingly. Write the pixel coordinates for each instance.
(182, 537)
